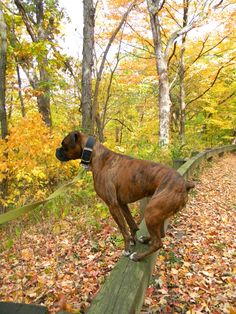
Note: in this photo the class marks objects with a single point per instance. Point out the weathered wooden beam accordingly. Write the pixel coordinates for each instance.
(20, 308)
(124, 290)
(177, 163)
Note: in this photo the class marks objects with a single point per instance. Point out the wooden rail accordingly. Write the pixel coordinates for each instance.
(124, 289)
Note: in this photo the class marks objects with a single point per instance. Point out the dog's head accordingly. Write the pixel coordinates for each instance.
(71, 147)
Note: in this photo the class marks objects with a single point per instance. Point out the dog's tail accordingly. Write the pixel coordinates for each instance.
(189, 185)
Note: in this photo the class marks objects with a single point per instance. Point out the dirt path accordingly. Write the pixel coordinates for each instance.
(196, 272)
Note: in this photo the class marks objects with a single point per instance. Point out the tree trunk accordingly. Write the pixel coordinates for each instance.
(164, 103)
(39, 33)
(182, 97)
(43, 100)
(3, 57)
(3, 115)
(22, 106)
(162, 71)
(182, 73)
(13, 40)
(87, 65)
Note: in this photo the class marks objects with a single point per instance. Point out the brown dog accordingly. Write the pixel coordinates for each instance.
(120, 180)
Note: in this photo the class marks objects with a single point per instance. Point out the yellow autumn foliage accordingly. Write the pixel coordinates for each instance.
(28, 163)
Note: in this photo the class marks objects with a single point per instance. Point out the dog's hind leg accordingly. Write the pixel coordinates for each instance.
(155, 244)
(146, 239)
(155, 213)
(130, 221)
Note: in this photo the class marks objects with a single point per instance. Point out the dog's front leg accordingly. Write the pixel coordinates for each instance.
(130, 221)
(117, 215)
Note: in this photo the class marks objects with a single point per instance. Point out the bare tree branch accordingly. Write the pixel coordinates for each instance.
(173, 8)
(162, 5)
(141, 37)
(173, 18)
(173, 53)
(175, 35)
(228, 97)
(139, 48)
(121, 122)
(202, 52)
(174, 80)
(217, 5)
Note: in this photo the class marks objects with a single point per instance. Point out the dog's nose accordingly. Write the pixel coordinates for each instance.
(60, 155)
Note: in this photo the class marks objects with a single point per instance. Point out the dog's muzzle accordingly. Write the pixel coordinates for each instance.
(61, 155)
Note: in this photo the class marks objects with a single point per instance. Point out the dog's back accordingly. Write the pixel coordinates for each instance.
(134, 178)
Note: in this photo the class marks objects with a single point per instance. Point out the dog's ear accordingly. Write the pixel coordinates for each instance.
(75, 137)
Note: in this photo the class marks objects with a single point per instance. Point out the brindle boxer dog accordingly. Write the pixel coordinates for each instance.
(120, 180)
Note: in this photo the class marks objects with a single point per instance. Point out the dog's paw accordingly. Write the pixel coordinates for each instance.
(126, 253)
(144, 239)
(134, 257)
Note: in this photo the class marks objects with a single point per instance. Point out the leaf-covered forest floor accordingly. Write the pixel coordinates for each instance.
(196, 273)
(62, 262)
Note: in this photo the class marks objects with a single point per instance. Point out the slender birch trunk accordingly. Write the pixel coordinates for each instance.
(3, 114)
(164, 102)
(163, 56)
(182, 104)
(3, 62)
(87, 65)
(182, 74)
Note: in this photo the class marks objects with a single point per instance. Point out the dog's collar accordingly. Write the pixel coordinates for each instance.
(87, 152)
